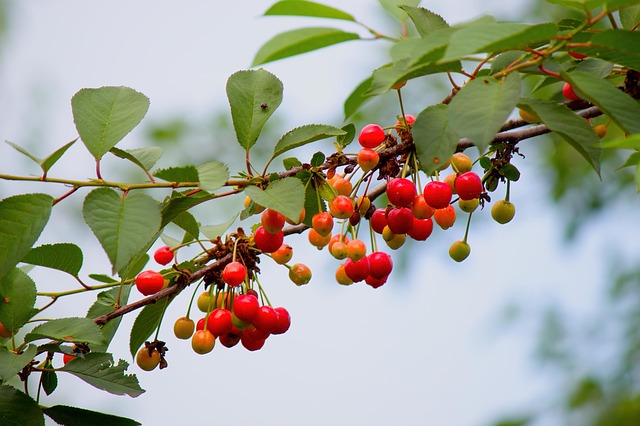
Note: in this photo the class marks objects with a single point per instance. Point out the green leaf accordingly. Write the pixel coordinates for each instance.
(99, 370)
(253, 96)
(631, 142)
(169, 241)
(145, 158)
(53, 158)
(594, 67)
(357, 98)
(23, 151)
(317, 159)
(496, 37)
(510, 172)
(22, 219)
(285, 196)
(11, 363)
(326, 191)
(123, 225)
(435, 139)
(303, 135)
(106, 302)
(571, 127)
(146, 323)
(349, 135)
(629, 17)
(17, 299)
(303, 40)
(49, 381)
(213, 175)
(138, 262)
(480, 108)
(616, 46)
(178, 174)
(214, 231)
(81, 330)
(179, 203)
(632, 160)
(622, 108)
(578, 4)
(307, 8)
(311, 206)
(388, 76)
(587, 391)
(18, 408)
(505, 59)
(102, 278)
(104, 116)
(186, 221)
(425, 20)
(74, 416)
(393, 7)
(65, 257)
(637, 177)
(291, 162)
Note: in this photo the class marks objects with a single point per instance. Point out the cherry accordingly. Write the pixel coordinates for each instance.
(200, 324)
(149, 282)
(284, 321)
(245, 307)
(380, 264)
(371, 136)
(267, 242)
(323, 223)
(250, 343)
(272, 221)
(341, 207)
(528, 117)
(437, 194)
(421, 229)
(229, 340)
(446, 217)
(163, 255)
(147, 359)
(266, 319)
(224, 300)
(4, 331)
(256, 334)
(338, 250)
(363, 205)
(394, 241)
(234, 274)
(468, 185)
(569, 93)
(342, 277)
(503, 211)
(300, 274)
(409, 119)
(375, 282)
(368, 159)
(401, 192)
(469, 206)
(68, 357)
(283, 254)
(601, 130)
(420, 208)
(183, 328)
(205, 302)
(378, 220)
(400, 220)
(203, 342)
(356, 250)
(357, 271)
(342, 186)
(461, 162)
(257, 209)
(450, 180)
(459, 251)
(219, 322)
(318, 240)
(338, 238)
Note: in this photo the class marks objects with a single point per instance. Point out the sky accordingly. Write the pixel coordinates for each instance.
(429, 347)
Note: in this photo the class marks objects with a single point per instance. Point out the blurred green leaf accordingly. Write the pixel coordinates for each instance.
(254, 96)
(615, 46)
(303, 135)
(303, 40)
(357, 98)
(307, 8)
(214, 231)
(12, 363)
(436, 140)
(65, 257)
(425, 20)
(587, 391)
(389, 76)
(145, 158)
(213, 175)
(393, 7)
(99, 370)
(18, 293)
(631, 142)
(630, 17)
(104, 116)
(18, 408)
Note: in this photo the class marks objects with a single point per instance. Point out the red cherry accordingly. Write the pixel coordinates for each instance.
(66, 358)
(266, 319)
(446, 217)
(569, 93)
(323, 223)
(368, 159)
(250, 343)
(401, 192)
(245, 307)
(266, 242)
(410, 120)
(437, 194)
(149, 282)
(163, 255)
(234, 274)
(229, 340)
(378, 220)
(468, 186)
(341, 207)
(272, 221)
(200, 324)
(380, 264)
(421, 209)
(371, 136)
(219, 322)
(375, 282)
(421, 229)
(284, 321)
(357, 271)
(256, 334)
(400, 220)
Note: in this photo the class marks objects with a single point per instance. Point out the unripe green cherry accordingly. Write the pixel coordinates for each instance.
(300, 274)
(503, 211)
(183, 328)
(459, 251)
(461, 162)
(468, 205)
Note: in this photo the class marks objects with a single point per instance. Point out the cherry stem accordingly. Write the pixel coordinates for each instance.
(57, 200)
(155, 338)
(401, 107)
(466, 231)
(506, 197)
(98, 174)
(193, 296)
